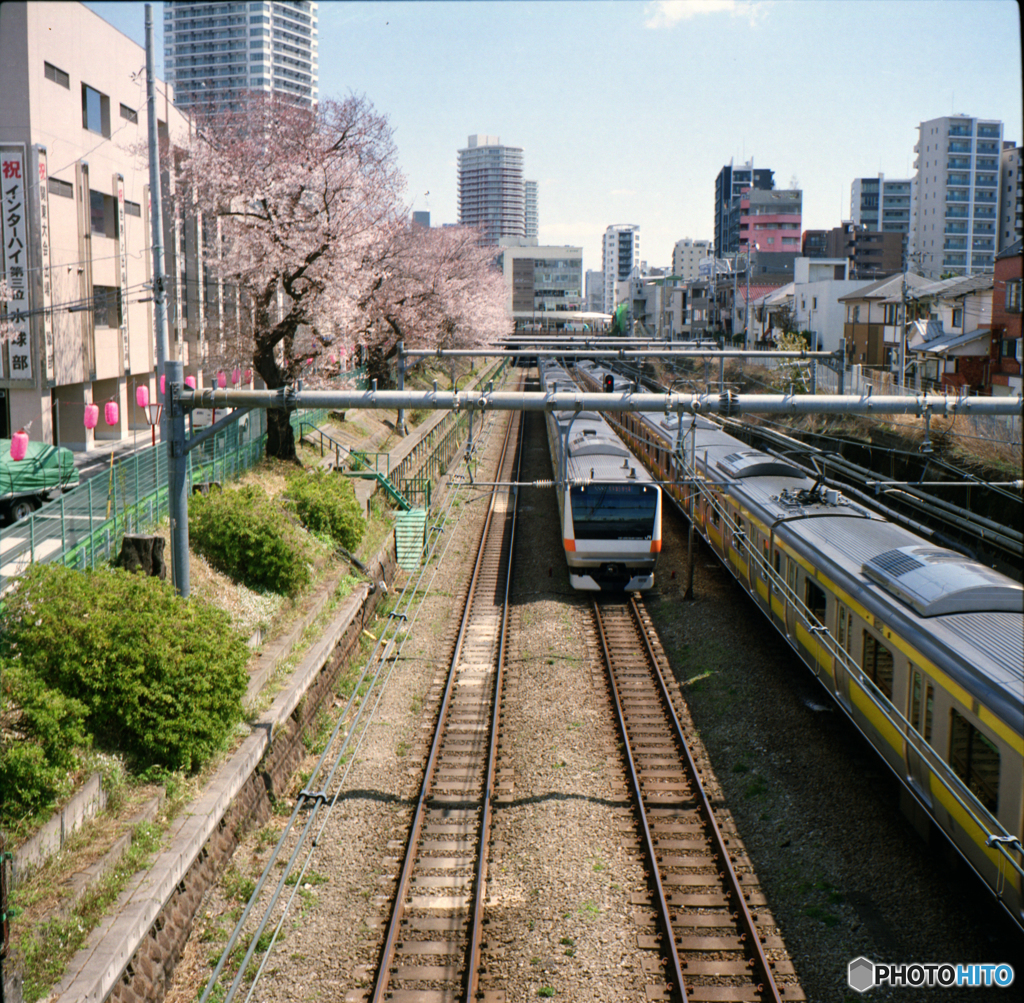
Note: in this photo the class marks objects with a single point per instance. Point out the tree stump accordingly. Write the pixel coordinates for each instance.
(143, 553)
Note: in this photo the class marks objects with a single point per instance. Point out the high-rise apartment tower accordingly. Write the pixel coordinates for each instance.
(729, 185)
(956, 203)
(491, 189)
(620, 254)
(215, 52)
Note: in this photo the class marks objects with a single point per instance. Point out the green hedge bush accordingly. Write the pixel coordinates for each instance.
(326, 504)
(246, 535)
(118, 660)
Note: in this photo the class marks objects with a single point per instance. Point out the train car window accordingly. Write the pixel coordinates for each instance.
(917, 705)
(877, 663)
(814, 600)
(714, 512)
(842, 628)
(791, 567)
(778, 563)
(975, 760)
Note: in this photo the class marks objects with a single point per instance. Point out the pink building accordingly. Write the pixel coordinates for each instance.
(771, 220)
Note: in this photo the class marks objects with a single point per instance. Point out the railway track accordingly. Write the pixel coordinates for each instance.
(705, 914)
(433, 939)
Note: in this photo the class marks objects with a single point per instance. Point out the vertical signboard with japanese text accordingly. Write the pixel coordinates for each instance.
(179, 320)
(41, 195)
(122, 272)
(14, 261)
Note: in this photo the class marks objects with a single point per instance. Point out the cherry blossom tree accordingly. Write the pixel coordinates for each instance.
(435, 288)
(307, 200)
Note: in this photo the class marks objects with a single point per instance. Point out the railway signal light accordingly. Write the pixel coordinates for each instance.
(609, 383)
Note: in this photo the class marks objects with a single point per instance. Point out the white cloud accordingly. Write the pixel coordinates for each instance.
(668, 13)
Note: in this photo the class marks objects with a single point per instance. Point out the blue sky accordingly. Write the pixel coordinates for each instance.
(626, 111)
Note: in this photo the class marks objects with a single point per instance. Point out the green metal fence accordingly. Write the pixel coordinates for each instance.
(84, 527)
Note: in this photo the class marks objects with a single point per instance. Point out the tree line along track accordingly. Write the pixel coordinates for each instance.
(432, 940)
(709, 922)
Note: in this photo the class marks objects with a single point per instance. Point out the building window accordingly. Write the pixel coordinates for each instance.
(128, 114)
(958, 317)
(95, 111)
(975, 760)
(102, 214)
(107, 306)
(1013, 296)
(132, 208)
(57, 76)
(57, 187)
(1008, 348)
(891, 314)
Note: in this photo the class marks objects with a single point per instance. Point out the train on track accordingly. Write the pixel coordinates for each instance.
(609, 505)
(921, 647)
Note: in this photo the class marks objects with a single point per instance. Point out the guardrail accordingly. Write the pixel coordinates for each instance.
(84, 527)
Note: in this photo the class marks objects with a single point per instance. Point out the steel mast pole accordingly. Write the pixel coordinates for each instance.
(174, 416)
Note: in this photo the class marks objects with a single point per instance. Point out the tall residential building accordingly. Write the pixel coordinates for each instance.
(882, 205)
(729, 185)
(687, 254)
(620, 254)
(956, 203)
(1011, 196)
(492, 193)
(530, 209)
(215, 51)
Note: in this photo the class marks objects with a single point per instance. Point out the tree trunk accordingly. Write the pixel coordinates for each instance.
(378, 367)
(280, 437)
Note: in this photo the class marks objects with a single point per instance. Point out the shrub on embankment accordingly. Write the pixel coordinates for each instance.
(112, 660)
(326, 504)
(246, 534)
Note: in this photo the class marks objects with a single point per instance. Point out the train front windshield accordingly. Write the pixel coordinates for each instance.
(613, 511)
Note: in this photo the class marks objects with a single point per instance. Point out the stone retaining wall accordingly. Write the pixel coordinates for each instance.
(147, 975)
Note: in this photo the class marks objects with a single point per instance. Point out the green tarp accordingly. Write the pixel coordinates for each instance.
(43, 467)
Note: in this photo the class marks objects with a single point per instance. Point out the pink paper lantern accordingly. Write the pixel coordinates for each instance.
(334, 360)
(190, 382)
(163, 384)
(222, 380)
(110, 412)
(19, 445)
(92, 415)
(236, 375)
(142, 396)
(248, 375)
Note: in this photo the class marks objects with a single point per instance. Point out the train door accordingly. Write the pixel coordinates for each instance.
(844, 637)
(816, 605)
(738, 550)
(791, 576)
(776, 591)
(921, 713)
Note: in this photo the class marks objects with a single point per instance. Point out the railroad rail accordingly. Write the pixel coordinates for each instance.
(715, 934)
(432, 944)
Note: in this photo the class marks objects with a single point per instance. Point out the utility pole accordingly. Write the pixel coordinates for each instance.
(173, 431)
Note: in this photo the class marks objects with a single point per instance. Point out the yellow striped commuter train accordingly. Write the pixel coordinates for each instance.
(921, 647)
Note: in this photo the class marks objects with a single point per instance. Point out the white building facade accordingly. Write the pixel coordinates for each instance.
(77, 254)
(216, 51)
(817, 285)
(956, 202)
(687, 255)
(882, 205)
(492, 193)
(1011, 197)
(545, 284)
(620, 255)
